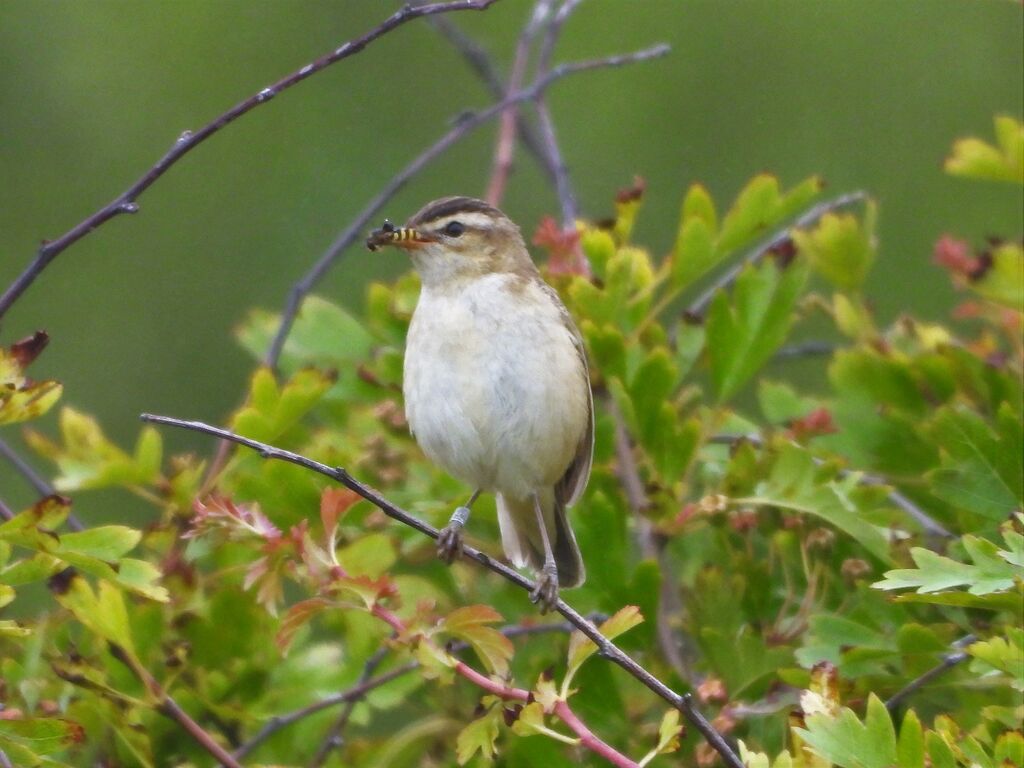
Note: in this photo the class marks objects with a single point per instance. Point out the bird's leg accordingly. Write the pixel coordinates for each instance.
(545, 593)
(449, 542)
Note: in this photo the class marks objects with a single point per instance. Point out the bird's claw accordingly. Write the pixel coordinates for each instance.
(545, 592)
(449, 543)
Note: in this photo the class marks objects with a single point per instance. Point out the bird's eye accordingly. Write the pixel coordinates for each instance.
(454, 228)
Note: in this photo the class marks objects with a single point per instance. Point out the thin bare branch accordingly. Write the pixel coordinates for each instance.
(506, 142)
(358, 225)
(126, 201)
(167, 706)
(483, 65)
(354, 694)
(38, 483)
(700, 304)
(5, 511)
(360, 689)
(563, 187)
(333, 740)
(810, 348)
(606, 648)
(949, 661)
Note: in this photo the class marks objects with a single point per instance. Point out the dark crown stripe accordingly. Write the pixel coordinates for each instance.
(449, 206)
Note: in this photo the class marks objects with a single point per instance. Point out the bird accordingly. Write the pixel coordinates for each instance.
(496, 384)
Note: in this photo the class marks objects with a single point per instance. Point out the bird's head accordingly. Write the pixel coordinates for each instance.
(456, 239)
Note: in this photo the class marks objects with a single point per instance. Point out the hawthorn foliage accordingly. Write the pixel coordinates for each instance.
(794, 554)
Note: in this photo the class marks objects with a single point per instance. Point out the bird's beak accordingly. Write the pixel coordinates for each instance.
(408, 238)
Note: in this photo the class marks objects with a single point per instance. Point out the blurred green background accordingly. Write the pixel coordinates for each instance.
(868, 93)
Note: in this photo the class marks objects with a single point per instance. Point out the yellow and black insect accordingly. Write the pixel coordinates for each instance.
(389, 233)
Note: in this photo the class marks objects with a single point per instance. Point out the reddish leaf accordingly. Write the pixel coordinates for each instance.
(334, 503)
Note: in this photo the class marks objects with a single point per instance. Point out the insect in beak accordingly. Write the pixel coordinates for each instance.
(389, 234)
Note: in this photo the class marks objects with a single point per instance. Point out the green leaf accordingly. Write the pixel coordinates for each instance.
(40, 735)
(271, 410)
(1002, 278)
(582, 647)
(936, 573)
(840, 248)
(479, 735)
(669, 731)
(848, 742)
(323, 335)
(470, 624)
(981, 464)
(796, 483)
(744, 333)
(694, 254)
(1003, 654)
(910, 749)
(976, 159)
(108, 542)
(103, 611)
(88, 460)
(21, 398)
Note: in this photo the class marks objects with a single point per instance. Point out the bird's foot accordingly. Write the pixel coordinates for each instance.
(545, 591)
(449, 542)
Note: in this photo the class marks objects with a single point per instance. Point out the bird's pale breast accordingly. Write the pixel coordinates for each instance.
(495, 389)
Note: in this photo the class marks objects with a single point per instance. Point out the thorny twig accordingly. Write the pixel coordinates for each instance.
(606, 648)
(356, 228)
(39, 484)
(126, 201)
(949, 661)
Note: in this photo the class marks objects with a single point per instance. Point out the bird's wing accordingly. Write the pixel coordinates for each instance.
(571, 485)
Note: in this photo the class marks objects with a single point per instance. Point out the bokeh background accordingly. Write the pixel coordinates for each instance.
(868, 93)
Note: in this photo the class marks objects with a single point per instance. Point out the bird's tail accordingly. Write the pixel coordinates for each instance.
(521, 538)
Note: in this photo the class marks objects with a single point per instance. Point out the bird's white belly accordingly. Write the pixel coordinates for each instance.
(494, 387)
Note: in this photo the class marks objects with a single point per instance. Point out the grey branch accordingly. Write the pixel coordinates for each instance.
(356, 228)
(606, 648)
(949, 661)
(189, 140)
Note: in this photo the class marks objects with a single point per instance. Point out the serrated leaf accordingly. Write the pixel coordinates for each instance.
(840, 248)
(987, 574)
(795, 482)
(694, 254)
(470, 624)
(981, 464)
(848, 742)
(478, 735)
(1005, 654)
(746, 329)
